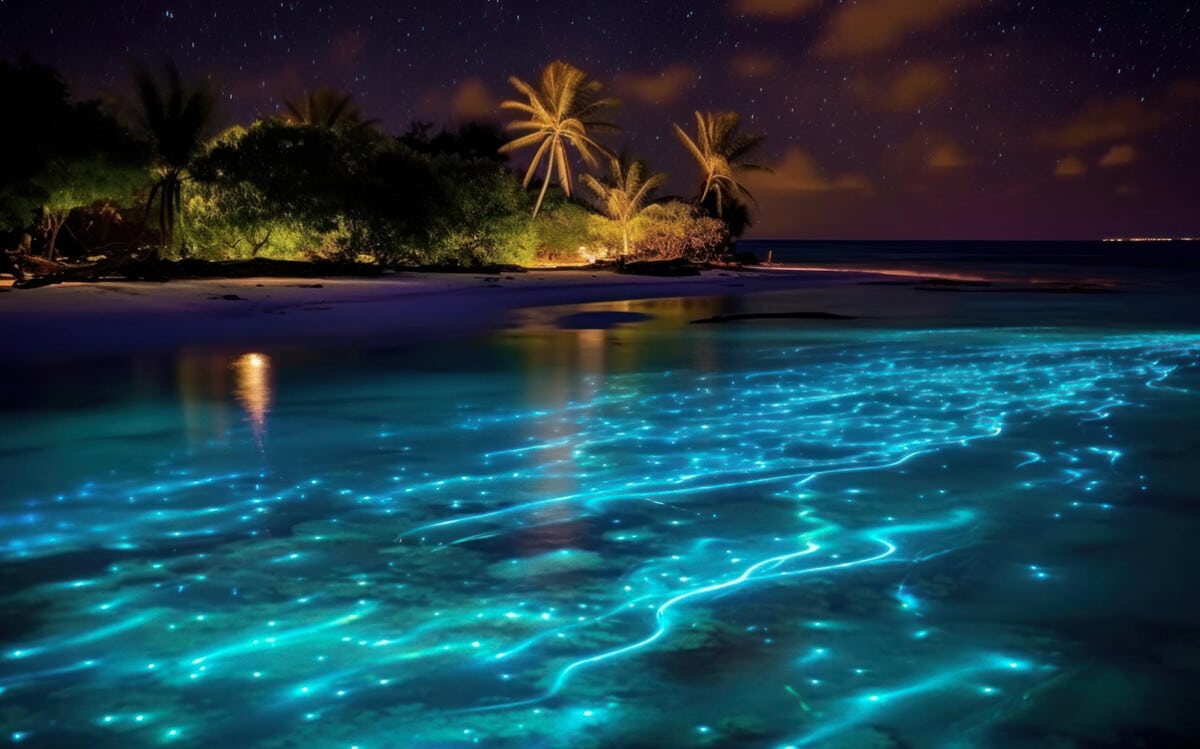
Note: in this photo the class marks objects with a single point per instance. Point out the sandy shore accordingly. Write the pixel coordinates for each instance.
(75, 321)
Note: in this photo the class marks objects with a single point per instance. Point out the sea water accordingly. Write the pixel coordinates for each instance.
(963, 525)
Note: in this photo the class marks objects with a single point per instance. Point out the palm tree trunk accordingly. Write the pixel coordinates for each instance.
(549, 173)
(55, 226)
(538, 205)
(625, 236)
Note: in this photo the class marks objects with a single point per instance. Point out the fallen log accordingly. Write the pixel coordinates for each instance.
(38, 266)
(90, 272)
(9, 265)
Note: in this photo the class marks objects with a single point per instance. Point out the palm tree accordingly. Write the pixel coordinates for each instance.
(560, 112)
(177, 119)
(720, 150)
(626, 195)
(327, 108)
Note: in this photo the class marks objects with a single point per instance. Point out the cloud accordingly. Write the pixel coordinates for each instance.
(1125, 118)
(797, 172)
(917, 86)
(472, 101)
(853, 183)
(772, 8)
(469, 101)
(874, 26)
(949, 156)
(1119, 156)
(921, 84)
(754, 65)
(1184, 91)
(1069, 166)
(1104, 121)
(656, 88)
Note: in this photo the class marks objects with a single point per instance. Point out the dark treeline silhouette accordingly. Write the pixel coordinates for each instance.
(324, 182)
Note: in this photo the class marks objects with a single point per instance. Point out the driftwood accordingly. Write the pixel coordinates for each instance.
(37, 265)
(85, 272)
(9, 265)
(670, 268)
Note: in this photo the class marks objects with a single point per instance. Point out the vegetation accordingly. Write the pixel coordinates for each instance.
(176, 120)
(98, 182)
(560, 112)
(64, 160)
(325, 184)
(327, 108)
(720, 150)
(623, 199)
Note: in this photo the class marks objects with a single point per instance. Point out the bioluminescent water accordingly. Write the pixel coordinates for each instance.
(760, 536)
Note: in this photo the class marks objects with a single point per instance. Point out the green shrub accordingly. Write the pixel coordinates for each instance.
(563, 233)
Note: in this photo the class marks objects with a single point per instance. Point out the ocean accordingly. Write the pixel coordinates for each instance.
(940, 515)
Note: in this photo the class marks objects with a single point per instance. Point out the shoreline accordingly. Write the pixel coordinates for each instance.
(82, 321)
(92, 321)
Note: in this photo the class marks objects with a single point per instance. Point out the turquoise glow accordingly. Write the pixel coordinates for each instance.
(746, 537)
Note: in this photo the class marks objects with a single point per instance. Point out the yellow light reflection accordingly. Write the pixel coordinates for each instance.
(253, 390)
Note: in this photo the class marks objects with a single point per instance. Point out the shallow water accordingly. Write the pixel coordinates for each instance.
(629, 532)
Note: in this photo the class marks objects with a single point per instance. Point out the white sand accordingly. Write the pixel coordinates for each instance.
(71, 321)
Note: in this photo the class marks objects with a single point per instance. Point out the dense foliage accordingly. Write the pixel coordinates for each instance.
(65, 161)
(324, 183)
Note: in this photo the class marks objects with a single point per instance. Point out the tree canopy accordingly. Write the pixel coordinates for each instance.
(327, 108)
(561, 113)
(63, 155)
(628, 191)
(177, 118)
(325, 182)
(720, 149)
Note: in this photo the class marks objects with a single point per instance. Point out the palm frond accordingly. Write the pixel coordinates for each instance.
(720, 149)
(559, 111)
(524, 140)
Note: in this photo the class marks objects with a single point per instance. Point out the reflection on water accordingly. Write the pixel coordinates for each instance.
(636, 534)
(253, 390)
(207, 383)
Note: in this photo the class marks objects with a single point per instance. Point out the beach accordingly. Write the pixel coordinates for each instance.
(117, 318)
(114, 318)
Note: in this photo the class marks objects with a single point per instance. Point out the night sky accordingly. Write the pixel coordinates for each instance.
(885, 118)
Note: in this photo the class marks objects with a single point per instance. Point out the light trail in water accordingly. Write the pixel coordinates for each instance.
(553, 556)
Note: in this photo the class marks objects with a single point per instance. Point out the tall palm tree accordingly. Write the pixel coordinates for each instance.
(327, 108)
(560, 112)
(177, 118)
(624, 197)
(721, 150)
